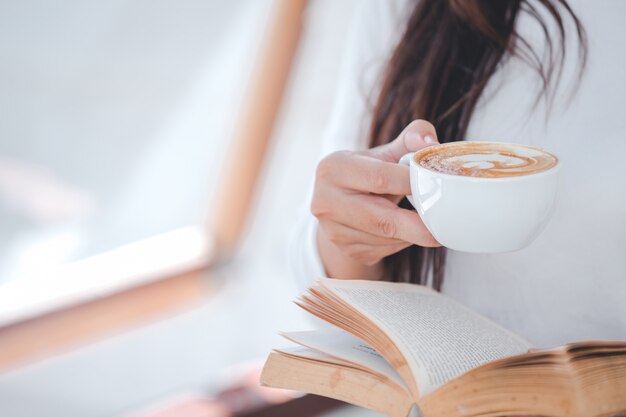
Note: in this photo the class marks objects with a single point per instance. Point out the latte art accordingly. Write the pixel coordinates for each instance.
(486, 160)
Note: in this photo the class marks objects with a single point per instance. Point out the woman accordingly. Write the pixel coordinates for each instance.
(477, 69)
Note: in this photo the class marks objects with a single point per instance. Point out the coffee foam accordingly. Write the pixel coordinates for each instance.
(486, 160)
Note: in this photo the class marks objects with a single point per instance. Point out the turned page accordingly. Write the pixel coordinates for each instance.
(346, 347)
(439, 337)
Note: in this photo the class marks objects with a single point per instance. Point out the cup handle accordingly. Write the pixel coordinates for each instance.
(406, 160)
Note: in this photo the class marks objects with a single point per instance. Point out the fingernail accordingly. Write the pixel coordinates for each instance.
(429, 139)
(413, 140)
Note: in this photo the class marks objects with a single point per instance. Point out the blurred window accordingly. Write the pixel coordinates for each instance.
(115, 117)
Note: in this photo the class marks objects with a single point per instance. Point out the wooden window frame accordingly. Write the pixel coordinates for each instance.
(59, 323)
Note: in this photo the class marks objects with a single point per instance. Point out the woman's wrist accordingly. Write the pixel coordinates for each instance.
(339, 265)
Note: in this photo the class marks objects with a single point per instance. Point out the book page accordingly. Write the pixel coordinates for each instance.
(343, 345)
(440, 338)
(308, 353)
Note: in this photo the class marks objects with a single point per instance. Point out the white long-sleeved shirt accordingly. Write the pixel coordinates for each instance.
(570, 284)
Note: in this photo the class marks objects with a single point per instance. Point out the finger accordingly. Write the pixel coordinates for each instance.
(341, 234)
(417, 135)
(395, 199)
(371, 255)
(381, 217)
(363, 173)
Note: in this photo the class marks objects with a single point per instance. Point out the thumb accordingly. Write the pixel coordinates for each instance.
(417, 135)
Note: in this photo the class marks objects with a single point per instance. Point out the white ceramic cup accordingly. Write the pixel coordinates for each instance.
(478, 214)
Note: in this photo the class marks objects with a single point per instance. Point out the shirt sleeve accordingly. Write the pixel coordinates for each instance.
(373, 30)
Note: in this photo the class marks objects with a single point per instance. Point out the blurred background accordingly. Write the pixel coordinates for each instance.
(144, 206)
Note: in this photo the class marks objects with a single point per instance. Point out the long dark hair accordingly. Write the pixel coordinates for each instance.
(448, 53)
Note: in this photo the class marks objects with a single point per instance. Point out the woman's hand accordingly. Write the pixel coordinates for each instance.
(356, 200)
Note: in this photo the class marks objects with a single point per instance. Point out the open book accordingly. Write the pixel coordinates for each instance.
(404, 349)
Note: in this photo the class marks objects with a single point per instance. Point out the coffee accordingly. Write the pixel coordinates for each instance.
(485, 160)
(481, 197)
